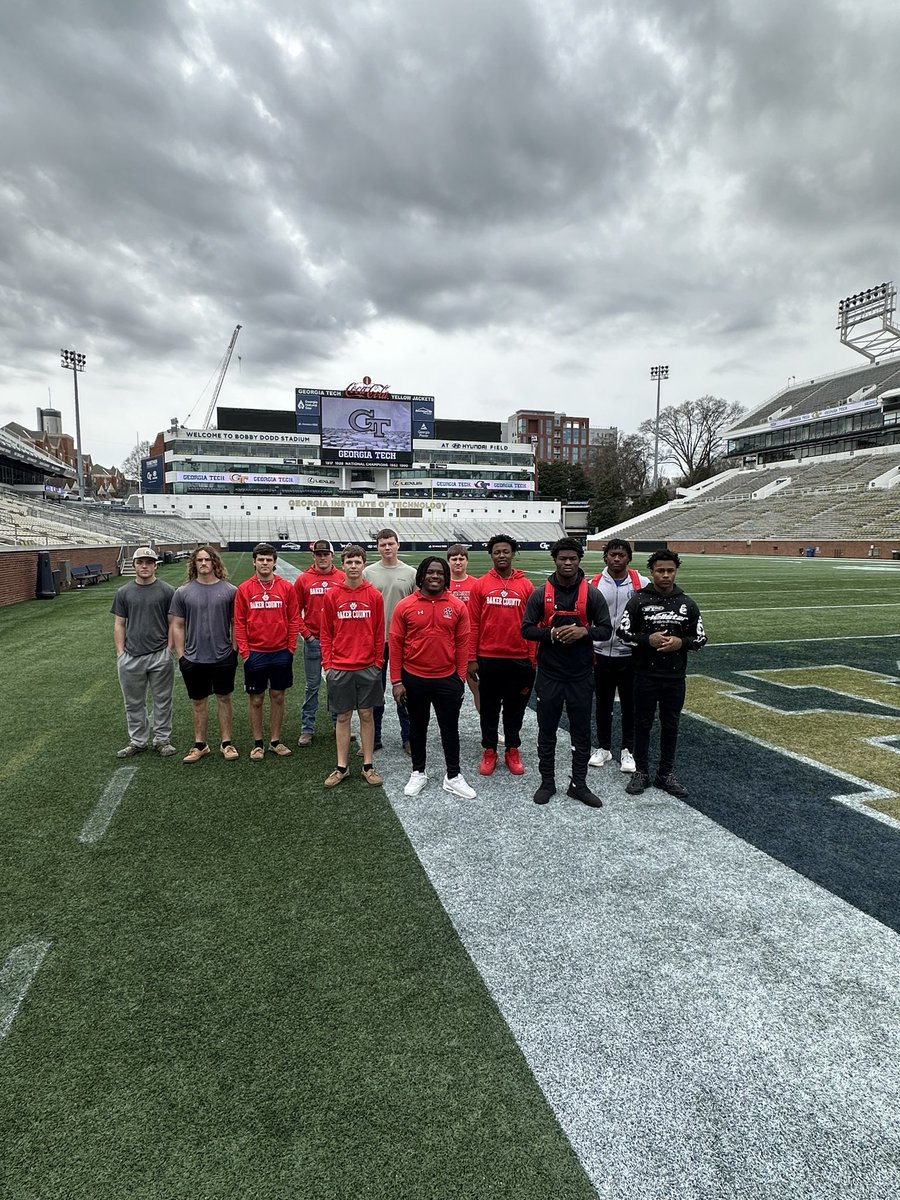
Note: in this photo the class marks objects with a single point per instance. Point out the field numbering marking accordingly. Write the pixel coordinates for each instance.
(16, 977)
(104, 810)
(25, 757)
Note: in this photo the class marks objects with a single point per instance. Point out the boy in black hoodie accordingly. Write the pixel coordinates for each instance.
(565, 617)
(661, 623)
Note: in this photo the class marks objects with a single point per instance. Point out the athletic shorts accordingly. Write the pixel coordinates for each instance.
(348, 691)
(268, 669)
(207, 679)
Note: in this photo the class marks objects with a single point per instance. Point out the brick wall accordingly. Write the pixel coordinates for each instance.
(18, 568)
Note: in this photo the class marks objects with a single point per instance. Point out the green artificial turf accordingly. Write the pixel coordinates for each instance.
(252, 990)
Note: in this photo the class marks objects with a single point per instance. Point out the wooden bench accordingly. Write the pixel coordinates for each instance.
(96, 569)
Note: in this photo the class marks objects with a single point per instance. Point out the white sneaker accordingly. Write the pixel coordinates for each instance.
(457, 786)
(627, 762)
(416, 783)
(600, 758)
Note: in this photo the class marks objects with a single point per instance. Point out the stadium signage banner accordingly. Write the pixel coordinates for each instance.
(152, 475)
(484, 485)
(493, 447)
(245, 479)
(839, 410)
(230, 435)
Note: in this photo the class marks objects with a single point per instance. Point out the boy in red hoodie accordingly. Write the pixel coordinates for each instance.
(312, 587)
(429, 652)
(351, 635)
(501, 662)
(266, 625)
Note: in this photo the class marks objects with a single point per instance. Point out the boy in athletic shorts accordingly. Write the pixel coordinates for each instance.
(202, 615)
(351, 635)
(266, 628)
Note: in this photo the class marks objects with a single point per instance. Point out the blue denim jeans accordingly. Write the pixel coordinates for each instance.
(312, 669)
(402, 714)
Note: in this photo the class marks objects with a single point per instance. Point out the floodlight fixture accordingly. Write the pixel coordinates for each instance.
(874, 304)
(71, 360)
(659, 374)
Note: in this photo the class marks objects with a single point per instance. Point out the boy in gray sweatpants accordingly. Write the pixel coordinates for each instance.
(144, 660)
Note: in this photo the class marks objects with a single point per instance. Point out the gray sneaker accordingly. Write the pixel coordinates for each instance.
(165, 750)
(130, 751)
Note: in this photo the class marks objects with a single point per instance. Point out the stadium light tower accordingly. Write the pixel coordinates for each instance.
(659, 374)
(70, 361)
(873, 308)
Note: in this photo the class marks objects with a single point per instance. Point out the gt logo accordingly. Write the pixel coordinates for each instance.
(363, 420)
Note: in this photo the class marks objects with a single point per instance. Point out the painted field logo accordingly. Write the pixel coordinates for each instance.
(828, 730)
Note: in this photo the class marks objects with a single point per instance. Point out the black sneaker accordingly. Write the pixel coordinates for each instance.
(670, 784)
(638, 783)
(581, 791)
(544, 792)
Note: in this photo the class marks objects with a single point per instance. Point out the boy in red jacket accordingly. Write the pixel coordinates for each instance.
(266, 625)
(429, 652)
(501, 662)
(312, 587)
(351, 635)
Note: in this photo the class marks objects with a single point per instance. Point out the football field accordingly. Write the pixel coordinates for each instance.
(223, 981)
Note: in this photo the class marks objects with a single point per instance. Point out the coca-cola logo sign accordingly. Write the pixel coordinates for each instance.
(368, 388)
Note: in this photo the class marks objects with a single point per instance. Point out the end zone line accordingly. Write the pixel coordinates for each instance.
(104, 810)
(16, 977)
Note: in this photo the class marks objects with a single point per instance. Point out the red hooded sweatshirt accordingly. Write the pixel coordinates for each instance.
(351, 632)
(312, 587)
(266, 619)
(496, 608)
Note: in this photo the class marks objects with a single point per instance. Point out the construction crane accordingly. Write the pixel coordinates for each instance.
(223, 368)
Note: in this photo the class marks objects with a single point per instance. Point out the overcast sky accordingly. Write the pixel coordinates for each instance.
(503, 203)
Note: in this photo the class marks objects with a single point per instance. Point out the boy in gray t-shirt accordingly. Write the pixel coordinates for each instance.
(143, 656)
(202, 630)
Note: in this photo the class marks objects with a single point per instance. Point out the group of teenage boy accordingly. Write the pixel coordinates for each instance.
(426, 632)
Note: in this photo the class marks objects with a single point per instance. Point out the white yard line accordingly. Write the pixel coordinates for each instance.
(104, 810)
(803, 607)
(16, 977)
(794, 641)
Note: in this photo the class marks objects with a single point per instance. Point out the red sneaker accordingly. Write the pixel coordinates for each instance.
(488, 762)
(514, 763)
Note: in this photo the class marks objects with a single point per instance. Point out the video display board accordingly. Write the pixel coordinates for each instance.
(362, 430)
(364, 424)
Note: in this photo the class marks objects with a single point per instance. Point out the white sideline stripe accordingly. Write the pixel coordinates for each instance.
(104, 810)
(16, 977)
(671, 987)
(848, 637)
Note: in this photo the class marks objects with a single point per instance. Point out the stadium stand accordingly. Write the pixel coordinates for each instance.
(854, 499)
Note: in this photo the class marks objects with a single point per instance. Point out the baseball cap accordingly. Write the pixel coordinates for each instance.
(321, 544)
(145, 552)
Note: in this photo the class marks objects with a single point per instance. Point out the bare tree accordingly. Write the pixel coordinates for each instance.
(131, 463)
(692, 434)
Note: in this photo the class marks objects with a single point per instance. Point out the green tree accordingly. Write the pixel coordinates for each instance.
(617, 474)
(562, 481)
